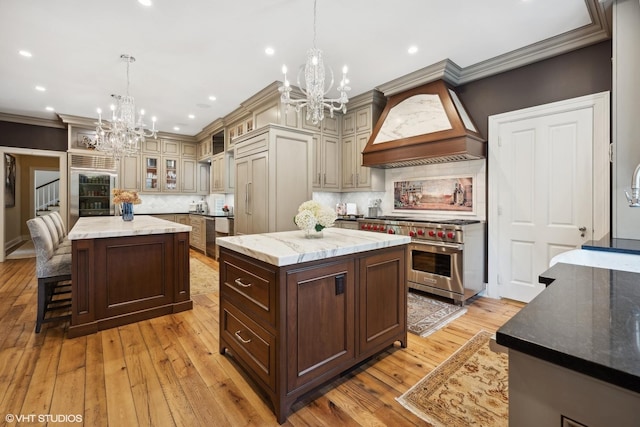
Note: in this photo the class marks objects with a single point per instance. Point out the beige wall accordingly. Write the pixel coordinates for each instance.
(25, 180)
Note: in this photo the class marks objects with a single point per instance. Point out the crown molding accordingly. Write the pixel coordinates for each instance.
(597, 31)
(35, 121)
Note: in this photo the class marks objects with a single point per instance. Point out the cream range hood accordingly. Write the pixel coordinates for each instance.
(424, 125)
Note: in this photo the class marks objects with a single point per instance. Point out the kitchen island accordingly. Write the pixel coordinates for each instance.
(297, 312)
(574, 351)
(127, 271)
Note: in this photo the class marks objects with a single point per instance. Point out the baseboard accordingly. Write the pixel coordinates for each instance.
(14, 243)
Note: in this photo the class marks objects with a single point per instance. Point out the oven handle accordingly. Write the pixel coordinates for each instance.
(453, 246)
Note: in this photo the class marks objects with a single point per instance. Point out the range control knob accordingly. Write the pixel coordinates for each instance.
(432, 233)
(383, 228)
(411, 233)
(391, 231)
(420, 232)
(368, 226)
(441, 234)
(375, 228)
(450, 235)
(363, 227)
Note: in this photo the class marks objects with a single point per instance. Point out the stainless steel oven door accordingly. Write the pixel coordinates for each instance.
(436, 267)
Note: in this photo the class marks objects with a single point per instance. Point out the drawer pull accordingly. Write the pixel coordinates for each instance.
(237, 334)
(239, 283)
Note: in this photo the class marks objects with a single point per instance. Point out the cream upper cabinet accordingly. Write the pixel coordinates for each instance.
(130, 173)
(217, 173)
(189, 150)
(326, 165)
(205, 149)
(151, 173)
(204, 178)
(170, 148)
(356, 129)
(170, 174)
(188, 176)
(152, 146)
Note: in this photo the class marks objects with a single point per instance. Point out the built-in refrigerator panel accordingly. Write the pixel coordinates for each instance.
(91, 182)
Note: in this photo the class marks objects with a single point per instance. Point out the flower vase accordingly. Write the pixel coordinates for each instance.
(313, 234)
(127, 211)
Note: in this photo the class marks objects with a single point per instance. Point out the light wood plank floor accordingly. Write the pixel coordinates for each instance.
(168, 371)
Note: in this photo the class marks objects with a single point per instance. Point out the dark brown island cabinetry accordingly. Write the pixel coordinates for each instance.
(295, 327)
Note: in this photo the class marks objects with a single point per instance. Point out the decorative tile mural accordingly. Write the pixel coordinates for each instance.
(434, 194)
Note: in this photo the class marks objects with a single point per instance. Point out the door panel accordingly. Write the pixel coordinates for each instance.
(546, 171)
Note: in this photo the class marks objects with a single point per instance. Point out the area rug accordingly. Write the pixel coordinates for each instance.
(470, 388)
(427, 315)
(26, 250)
(204, 279)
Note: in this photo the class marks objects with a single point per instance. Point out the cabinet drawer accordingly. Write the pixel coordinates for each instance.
(250, 285)
(249, 342)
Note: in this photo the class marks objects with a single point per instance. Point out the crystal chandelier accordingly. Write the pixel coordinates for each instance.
(122, 135)
(314, 85)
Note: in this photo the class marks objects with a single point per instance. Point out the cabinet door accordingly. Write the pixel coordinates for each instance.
(204, 171)
(170, 174)
(242, 197)
(188, 149)
(363, 173)
(382, 300)
(130, 173)
(349, 123)
(259, 194)
(363, 119)
(320, 321)
(348, 162)
(151, 170)
(188, 175)
(330, 162)
(151, 146)
(171, 148)
(217, 173)
(316, 173)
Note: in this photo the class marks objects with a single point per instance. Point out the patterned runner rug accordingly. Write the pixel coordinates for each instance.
(427, 315)
(204, 279)
(468, 389)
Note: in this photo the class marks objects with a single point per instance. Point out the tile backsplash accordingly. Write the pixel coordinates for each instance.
(475, 168)
(157, 203)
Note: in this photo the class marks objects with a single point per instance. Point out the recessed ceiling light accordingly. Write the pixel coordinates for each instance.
(191, 116)
(176, 128)
(212, 98)
(412, 50)
(40, 88)
(269, 51)
(49, 108)
(25, 53)
(145, 2)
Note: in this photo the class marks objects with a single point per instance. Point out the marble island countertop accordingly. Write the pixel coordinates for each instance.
(291, 247)
(587, 320)
(114, 226)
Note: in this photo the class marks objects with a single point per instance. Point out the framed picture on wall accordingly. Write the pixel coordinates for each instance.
(10, 181)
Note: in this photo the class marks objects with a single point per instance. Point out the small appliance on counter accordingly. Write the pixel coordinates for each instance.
(374, 207)
(352, 209)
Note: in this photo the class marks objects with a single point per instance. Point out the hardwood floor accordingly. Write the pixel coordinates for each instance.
(168, 371)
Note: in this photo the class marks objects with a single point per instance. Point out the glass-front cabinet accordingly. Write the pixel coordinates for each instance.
(151, 171)
(170, 174)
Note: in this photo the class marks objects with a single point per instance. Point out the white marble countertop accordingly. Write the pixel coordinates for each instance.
(113, 226)
(291, 247)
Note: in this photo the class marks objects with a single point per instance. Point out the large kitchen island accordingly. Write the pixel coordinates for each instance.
(127, 271)
(296, 312)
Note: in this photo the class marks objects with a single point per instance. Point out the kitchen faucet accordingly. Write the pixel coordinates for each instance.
(634, 197)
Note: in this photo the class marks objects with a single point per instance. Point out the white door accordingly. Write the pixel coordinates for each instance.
(543, 172)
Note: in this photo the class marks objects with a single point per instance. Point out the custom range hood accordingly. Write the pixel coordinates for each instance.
(424, 125)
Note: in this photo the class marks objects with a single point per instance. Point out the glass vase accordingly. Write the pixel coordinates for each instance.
(127, 211)
(313, 234)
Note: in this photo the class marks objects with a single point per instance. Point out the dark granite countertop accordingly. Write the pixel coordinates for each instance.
(587, 320)
(608, 244)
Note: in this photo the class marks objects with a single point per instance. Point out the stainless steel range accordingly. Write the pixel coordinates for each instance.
(446, 256)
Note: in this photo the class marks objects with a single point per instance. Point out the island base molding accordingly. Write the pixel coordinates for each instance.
(121, 280)
(294, 328)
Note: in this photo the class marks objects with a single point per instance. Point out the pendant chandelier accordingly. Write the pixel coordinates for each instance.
(314, 85)
(123, 134)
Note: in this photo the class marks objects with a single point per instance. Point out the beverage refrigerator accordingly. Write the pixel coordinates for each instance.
(91, 182)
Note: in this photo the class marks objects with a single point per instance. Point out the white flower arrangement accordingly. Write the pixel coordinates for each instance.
(313, 216)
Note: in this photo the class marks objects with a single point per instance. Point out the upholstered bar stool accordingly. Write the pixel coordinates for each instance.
(54, 275)
(56, 238)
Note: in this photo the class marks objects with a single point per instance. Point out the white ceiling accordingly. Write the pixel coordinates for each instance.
(188, 50)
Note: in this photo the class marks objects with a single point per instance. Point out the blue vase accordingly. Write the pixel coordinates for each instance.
(127, 211)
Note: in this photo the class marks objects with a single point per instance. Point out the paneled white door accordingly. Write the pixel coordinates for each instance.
(542, 173)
